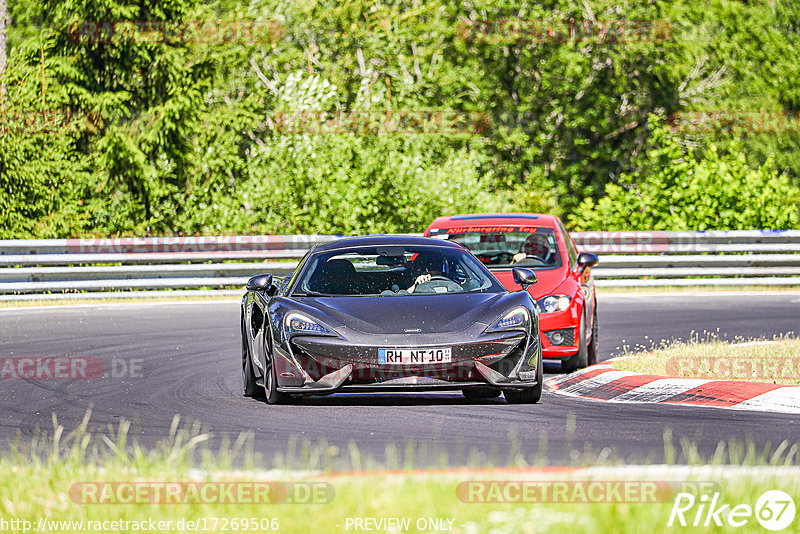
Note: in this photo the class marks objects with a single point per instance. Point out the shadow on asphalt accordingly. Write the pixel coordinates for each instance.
(448, 398)
(398, 399)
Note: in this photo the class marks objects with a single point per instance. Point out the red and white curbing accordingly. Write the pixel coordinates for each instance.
(603, 382)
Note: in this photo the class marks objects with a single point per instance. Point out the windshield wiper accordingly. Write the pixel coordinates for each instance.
(310, 294)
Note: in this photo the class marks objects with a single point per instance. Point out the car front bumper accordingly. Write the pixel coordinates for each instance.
(566, 322)
(320, 365)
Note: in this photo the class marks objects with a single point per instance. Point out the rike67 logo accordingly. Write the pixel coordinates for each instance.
(774, 510)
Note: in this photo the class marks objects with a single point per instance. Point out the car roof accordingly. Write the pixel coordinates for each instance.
(375, 240)
(496, 219)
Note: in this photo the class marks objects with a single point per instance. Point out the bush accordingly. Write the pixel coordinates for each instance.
(343, 183)
(681, 187)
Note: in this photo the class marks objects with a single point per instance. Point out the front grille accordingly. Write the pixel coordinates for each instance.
(567, 336)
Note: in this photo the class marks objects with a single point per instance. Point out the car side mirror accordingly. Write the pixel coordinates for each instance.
(524, 277)
(262, 282)
(587, 259)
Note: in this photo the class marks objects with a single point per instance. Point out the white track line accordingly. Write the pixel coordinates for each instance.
(660, 390)
(594, 382)
(555, 381)
(784, 400)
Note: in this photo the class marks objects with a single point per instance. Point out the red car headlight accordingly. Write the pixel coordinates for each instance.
(553, 303)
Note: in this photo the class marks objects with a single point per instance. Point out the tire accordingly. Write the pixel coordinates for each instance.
(249, 386)
(592, 359)
(273, 396)
(580, 359)
(529, 395)
(480, 393)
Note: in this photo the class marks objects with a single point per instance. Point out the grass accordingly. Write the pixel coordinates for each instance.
(775, 361)
(37, 478)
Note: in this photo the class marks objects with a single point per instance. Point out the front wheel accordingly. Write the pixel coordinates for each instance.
(529, 395)
(580, 359)
(593, 344)
(271, 384)
(249, 386)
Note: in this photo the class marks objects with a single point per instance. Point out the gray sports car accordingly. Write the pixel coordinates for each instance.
(387, 313)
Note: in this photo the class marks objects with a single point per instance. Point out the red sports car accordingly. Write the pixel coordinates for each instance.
(564, 291)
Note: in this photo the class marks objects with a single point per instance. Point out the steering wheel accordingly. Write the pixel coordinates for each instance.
(449, 285)
(533, 258)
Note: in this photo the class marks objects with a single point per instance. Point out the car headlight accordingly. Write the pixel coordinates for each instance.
(516, 319)
(297, 323)
(553, 303)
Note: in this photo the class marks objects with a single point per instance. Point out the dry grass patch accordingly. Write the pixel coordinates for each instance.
(775, 361)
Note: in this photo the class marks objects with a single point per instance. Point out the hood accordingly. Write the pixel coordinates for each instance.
(547, 281)
(407, 314)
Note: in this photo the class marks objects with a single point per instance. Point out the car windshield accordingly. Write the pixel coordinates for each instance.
(394, 271)
(513, 246)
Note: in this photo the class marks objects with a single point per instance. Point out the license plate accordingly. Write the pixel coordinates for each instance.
(414, 356)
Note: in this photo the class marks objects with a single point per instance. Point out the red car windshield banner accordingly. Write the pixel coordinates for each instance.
(486, 230)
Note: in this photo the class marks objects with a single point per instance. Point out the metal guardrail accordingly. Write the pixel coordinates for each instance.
(63, 266)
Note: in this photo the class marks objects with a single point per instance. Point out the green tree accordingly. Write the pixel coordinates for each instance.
(181, 139)
(149, 96)
(681, 187)
(343, 183)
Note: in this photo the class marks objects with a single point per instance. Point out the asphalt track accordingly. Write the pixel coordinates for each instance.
(186, 361)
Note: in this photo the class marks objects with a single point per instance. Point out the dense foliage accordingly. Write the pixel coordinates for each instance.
(118, 130)
(678, 188)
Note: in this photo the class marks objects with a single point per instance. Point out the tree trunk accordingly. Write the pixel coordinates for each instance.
(3, 40)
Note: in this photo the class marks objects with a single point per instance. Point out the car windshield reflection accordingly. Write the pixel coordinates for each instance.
(394, 271)
(535, 248)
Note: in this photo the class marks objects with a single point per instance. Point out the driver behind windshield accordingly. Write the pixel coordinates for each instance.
(426, 266)
(536, 246)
